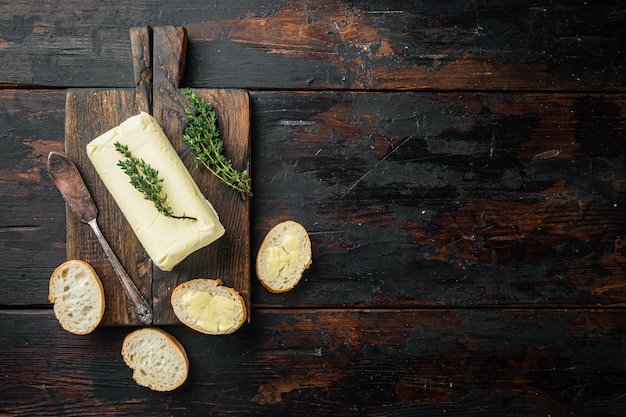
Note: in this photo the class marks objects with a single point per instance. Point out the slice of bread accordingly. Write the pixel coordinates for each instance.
(283, 256)
(157, 359)
(78, 296)
(209, 307)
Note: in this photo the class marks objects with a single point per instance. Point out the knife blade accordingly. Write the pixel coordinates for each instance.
(70, 183)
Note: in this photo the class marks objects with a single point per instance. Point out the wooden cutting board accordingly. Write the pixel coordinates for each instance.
(158, 61)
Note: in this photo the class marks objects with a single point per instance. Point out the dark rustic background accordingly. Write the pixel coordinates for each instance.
(461, 169)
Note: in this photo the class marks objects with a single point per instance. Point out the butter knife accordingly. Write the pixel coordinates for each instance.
(68, 180)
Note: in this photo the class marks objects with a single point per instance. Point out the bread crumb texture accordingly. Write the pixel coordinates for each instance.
(78, 296)
(283, 256)
(158, 360)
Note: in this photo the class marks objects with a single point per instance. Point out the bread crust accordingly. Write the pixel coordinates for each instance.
(60, 274)
(263, 249)
(138, 376)
(212, 286)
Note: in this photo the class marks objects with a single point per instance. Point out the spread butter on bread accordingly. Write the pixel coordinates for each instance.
(209, 307)
(283, 256)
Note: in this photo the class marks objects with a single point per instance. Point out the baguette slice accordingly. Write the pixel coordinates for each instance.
(78, 296)
(209, 307)
(157, 359)
(283, 256)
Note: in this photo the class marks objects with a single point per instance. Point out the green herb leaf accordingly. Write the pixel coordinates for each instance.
(146, 180)
(203, 138)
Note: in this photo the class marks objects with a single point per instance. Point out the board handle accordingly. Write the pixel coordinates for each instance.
(141, 47)
(170, 46)
(170, 52)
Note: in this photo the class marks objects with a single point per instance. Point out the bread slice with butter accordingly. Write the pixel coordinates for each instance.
(78, 296)
(157, 359)
(209, 307)
(283, 256)
(167, 240)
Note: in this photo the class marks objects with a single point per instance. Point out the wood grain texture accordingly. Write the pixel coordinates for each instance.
(446, 199)
(141, 44)
(320, 44)
(333, 363)
(32, 212)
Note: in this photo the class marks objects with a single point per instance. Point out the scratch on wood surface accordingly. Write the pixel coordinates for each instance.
(607, 288)
(305, 352)
(492, 146)
(286, 122)
(383, 12)
(362, 177)
(552, 153)
(25, 228)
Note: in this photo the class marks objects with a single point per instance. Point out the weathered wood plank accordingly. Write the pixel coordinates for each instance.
(411, 199)
(453, 199)
(414, 45)
(32, 217)
(333, 363)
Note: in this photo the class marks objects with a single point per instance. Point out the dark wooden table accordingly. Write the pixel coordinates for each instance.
(461, 168)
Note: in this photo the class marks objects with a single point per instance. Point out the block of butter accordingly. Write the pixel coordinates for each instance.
(167, 240)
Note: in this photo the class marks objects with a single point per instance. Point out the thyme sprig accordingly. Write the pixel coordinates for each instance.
(146, 180)
(203, 138)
